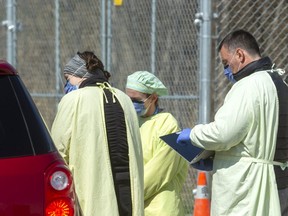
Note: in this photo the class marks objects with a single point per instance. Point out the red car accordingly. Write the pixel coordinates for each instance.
(34, 179)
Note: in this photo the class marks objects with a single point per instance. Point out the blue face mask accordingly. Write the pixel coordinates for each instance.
(69, 87)
(228, 73)
(140, 108)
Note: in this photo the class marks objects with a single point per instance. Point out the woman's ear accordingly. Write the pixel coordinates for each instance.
(154, 97)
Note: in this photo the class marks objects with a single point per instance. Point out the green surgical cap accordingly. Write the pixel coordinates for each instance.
(146, 82)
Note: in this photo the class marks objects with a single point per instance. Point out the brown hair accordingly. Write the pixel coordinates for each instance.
(94, 67)
(93, 64)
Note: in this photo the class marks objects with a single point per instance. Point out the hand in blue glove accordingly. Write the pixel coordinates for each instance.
(204, 164)
(184, 137)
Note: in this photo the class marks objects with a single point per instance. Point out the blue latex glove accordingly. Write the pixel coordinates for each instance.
(204, 164)
(184, 137)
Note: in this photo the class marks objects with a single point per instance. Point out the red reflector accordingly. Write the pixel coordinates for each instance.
(60, 207)
(6, 68)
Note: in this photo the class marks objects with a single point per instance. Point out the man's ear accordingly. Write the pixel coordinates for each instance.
(241, 55)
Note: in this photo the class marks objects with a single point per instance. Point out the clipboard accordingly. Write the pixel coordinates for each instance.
(189, 152)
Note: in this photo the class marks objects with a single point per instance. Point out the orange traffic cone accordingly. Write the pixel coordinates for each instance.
(202, 198)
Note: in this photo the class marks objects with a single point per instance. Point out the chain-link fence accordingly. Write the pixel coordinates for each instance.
(265, 19)
(158, 35)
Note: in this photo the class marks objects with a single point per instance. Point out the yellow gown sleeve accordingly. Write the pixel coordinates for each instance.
(165, 163)
(62, 126)
(161, 170)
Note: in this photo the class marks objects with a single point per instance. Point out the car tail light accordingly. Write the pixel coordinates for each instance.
(59, 192)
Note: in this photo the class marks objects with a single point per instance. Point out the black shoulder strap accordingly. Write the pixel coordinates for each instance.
(281, 154)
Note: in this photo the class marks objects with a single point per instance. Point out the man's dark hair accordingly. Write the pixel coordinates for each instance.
(240, 39)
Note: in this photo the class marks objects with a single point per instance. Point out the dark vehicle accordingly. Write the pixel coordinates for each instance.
(34, 179)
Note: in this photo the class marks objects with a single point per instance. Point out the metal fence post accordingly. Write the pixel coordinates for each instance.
(103, 31)
(153, 36)
(204, 19)
(11, 25)
(109, 35)
(57, 50)
(205, 41)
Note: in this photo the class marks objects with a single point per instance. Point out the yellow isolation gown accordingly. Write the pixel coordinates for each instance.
(244, 181)
(80, 135)
(164, 170)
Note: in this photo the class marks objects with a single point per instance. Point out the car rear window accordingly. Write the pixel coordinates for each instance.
(22, 130)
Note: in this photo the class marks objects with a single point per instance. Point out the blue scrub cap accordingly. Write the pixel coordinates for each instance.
(146, 82)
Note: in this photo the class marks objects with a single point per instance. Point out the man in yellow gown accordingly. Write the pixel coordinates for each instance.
(248, 133)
